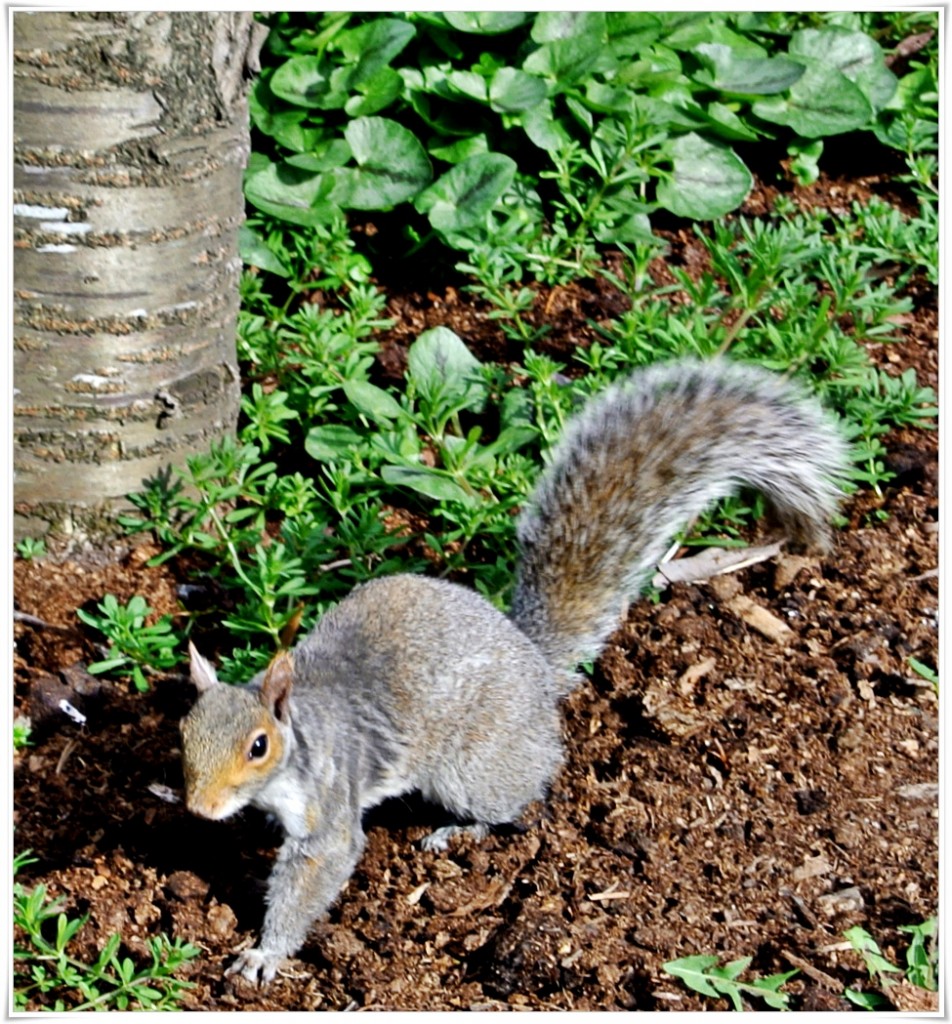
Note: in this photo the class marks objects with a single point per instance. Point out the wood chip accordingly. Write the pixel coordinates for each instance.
(611, 893)
(693, 673)
(491, 897)
(414, 897)
(812, 867)
(759, 618)
(711, 562)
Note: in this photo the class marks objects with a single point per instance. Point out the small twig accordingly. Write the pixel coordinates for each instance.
(820, 977)
(64, 757)
(909, 46)
(32, 620)
(339, 564)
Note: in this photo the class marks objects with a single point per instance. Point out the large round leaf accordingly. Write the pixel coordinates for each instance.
(822, 102)
(392, 165)
(464, 195)
(485, 23)
(854, 54)
(707, 181)
(293, 194)
(512, 90)
(300, 80)
(730, 71)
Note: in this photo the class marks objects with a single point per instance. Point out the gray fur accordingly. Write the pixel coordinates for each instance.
(419, 684)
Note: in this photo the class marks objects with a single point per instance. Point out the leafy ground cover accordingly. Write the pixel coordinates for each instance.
(751, 783)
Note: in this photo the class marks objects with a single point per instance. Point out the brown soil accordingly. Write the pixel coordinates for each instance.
(732, 787)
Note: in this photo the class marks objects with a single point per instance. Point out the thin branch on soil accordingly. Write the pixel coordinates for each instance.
(820, 977)
(32, 620)
(712, 562)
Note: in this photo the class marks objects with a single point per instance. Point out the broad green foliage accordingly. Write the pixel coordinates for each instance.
(581, 123)
(529, 142)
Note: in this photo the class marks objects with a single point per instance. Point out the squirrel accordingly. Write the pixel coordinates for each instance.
(419, 684)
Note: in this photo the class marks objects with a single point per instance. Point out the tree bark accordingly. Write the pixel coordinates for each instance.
(130, 139)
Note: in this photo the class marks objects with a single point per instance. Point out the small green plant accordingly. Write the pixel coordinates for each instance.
(22, 729)
(703, 974)
(47, 976)
(922, 954)
(921, 967)
(31, 547)
(134, 647)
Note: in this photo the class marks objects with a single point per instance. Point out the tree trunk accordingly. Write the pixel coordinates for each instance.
(130, 139)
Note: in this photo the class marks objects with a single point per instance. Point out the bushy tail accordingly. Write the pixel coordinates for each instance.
(642, 460)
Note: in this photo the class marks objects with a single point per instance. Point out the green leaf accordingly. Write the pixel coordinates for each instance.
(433, 483)
(457, 152)
(392, 165)
(375, 93)
(632, 32)
(372, 401)
(254, 250)
(726, 123)
(749, 75)
(552, 25)
(301, 80)
(292, 194)
(565, 61)
(322, 157)
(708, 180)
(331, 441)
(866, 945)
(823, 102)
(806, 154)
(107, 665)
(702, 974)
(692, 971)
(511, 91)
(373, 45)
(485, 23)
(468, 84)
(439, 363)
(867, 1000)
(543, 129)
(854, 54)
(462, 197)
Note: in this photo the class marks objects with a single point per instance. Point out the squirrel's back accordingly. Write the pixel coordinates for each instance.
(442, 683)
(638, 464)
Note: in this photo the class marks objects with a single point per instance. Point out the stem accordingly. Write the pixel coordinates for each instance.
(233, 554)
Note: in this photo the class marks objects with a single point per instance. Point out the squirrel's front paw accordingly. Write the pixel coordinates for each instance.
(256, 965)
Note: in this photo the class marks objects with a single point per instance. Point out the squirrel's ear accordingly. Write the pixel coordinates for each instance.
(276, 687)
(203, 671)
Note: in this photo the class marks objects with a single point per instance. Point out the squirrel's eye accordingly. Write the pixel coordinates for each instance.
(259, 748)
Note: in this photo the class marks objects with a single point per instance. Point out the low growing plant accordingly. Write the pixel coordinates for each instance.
(921, 967)
(705, 975)
(134, 647)
(47, 975)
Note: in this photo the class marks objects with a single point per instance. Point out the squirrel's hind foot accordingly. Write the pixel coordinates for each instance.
(440, 839)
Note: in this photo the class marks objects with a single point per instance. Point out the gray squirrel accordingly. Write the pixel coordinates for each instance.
(419, 684)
